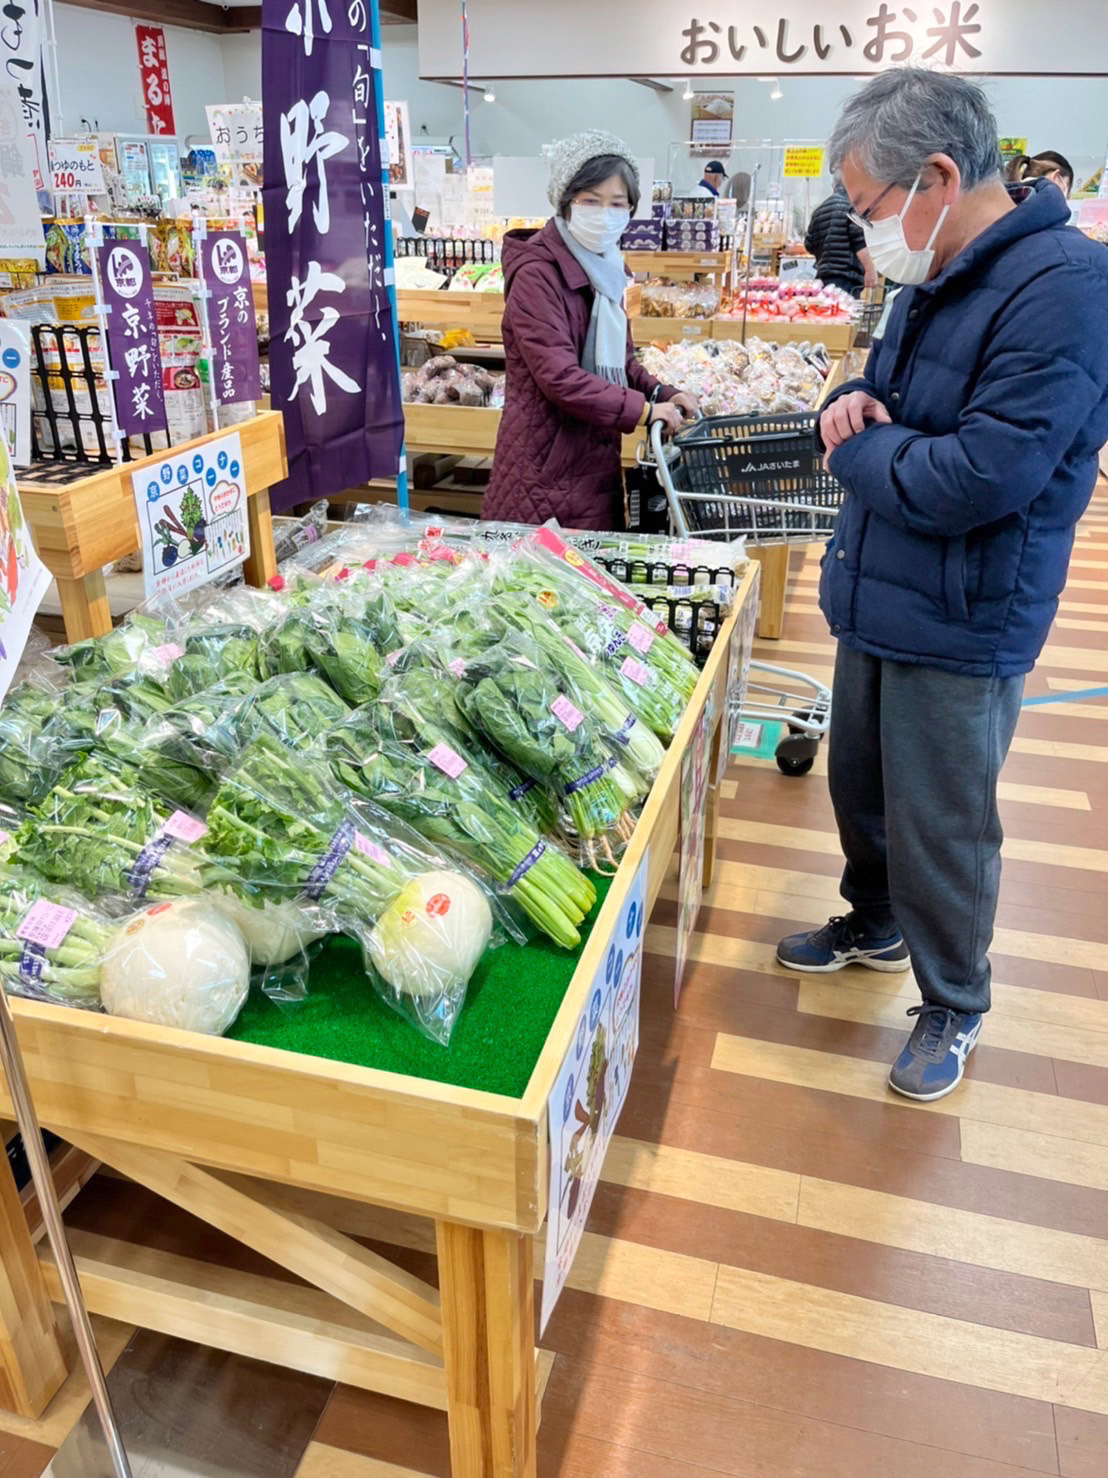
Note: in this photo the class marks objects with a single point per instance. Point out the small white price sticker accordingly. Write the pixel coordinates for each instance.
(447, 760)
(46, 924)
(184, 827)
(566, 713)
(370, 849)
(640, 638)
(635, 670)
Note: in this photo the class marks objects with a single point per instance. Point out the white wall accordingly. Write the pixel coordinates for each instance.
(98, 68)
(100, 81)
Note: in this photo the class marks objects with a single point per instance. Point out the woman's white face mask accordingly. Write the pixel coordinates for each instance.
(598, 227)
(889, 250)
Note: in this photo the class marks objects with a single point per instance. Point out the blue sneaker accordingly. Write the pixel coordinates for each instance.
(841, 942)
(934, 1056)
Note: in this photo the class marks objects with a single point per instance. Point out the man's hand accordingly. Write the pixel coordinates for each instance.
(848, 416)
(686, 402)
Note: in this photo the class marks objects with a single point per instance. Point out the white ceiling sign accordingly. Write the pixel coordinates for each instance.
(656, 38)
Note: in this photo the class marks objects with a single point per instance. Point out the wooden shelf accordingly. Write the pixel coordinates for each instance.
(79, 527)
(678, 264)
(295, 1156)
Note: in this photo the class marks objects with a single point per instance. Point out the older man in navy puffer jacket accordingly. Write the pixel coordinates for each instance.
(968, 453)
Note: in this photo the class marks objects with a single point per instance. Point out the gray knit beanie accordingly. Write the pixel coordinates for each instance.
(573, 153)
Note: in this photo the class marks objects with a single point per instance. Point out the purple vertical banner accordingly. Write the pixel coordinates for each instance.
(332, 354)
(231, 322)
(132, 337)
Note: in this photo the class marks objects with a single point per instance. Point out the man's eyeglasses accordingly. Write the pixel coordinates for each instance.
(864, 218)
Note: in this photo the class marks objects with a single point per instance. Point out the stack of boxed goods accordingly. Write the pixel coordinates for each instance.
(692, 226)
(643, 236)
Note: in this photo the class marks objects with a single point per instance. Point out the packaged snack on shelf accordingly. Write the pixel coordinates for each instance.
(679, 300)
(642, 236)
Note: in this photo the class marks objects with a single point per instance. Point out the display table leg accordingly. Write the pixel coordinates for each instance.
(85, 609)
(486, 1284)
(774, 559)
(32, 1366)
(261, 563)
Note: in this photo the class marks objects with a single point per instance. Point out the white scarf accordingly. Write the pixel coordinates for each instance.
(605, 351)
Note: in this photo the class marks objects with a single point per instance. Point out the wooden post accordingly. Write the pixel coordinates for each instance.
(774, 559)
(32, 1366)
(85, 608)
(261, 563)
(488, 1317)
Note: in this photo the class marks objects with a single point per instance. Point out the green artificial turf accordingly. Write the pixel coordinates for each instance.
(513, 999)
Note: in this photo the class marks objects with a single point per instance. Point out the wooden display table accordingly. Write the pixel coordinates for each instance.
(83, 522)
(681, 266)
(663, 330)
(838, 337)
(281, 1150)
(481, 313)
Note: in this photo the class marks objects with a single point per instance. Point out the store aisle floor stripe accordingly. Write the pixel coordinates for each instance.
(321, 1461)
(1028, 795)
(994, 1242)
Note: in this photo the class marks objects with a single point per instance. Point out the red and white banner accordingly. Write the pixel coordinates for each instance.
(154, 74)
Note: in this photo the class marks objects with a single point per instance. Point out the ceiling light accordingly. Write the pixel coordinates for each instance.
(490, 94)
(688, 93)
(776, 95)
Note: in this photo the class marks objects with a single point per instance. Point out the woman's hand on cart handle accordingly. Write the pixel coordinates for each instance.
(668, 415)
(685, 401)
(848, 415)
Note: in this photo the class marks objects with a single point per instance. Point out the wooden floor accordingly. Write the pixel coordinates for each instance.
(788, 1273)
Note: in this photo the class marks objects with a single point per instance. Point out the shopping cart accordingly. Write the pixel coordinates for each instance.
(761, 479)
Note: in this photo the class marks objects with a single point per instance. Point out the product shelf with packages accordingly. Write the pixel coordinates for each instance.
(761, 478)
(392, 825)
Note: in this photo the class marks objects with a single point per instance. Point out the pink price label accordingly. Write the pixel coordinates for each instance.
(458, 666)
(371, 850)
(634, 670)
(566, 713)
(5, 838)
(46, 924)
(641, 639)
(447, 760)
(394, 657)
(682, 554)
(184, 827)
(168, 653)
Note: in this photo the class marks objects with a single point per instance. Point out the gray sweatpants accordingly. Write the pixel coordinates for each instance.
(914, 758)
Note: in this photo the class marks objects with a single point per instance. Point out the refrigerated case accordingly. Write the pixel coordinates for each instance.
(149, 166)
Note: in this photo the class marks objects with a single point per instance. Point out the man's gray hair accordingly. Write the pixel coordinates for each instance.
(906, 114)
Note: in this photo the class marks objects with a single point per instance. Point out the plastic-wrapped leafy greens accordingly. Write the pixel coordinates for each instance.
(52, 941)
(441, 791)
(30, 758)
(517, 703)
(292, 833)
(102, 832)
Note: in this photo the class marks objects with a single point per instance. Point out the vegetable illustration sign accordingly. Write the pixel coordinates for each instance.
(23, 577)
(590, 1089)
(192, 515)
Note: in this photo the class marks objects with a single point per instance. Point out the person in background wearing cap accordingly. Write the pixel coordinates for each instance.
(715, 177)
(574, 385)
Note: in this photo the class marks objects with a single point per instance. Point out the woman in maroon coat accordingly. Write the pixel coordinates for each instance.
(574, 384)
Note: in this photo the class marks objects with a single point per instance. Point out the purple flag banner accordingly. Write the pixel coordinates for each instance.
(225, 273)
(333, 360)
(132, 337)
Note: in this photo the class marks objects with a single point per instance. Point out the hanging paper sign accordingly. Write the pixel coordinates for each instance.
(76, 167)
(591, 1087)
(24, 579)
(333, 354)
(398, 137)
(154, 77)
(237, 131)
(124, 271)
(713, 116)
(192, 515)
(20, 218)
(802, 163)
(21, 55)
(226, 275)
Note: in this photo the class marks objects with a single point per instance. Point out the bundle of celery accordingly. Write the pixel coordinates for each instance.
(444, 794)
(508, 694)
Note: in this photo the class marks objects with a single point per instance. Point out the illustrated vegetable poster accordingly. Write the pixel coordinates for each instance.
(192, 516)
(23, 577)
(590, 1089)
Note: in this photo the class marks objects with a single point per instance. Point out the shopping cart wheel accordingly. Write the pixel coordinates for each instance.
(796, 754)
(803, 716)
